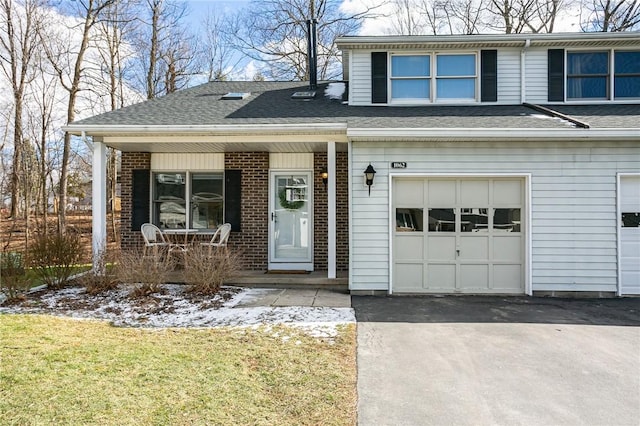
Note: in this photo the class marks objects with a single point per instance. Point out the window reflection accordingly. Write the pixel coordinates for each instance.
(409, 220)
(206, 200)
(169, 204)
(507, 220)
(474, 220)
(442, 220)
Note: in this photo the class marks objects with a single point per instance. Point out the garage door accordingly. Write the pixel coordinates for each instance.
(630, 234)
(458, 235)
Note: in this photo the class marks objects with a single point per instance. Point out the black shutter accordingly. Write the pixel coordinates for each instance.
(233, 198)
(489, 75)
(555, 63)
(140, 198)
(379, 77)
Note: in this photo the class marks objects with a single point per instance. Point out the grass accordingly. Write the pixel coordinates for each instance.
(64, 371)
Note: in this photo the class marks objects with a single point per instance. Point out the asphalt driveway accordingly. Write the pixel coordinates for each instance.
(496, 360)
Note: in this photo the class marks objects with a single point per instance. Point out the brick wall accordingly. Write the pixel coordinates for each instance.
(320, 212)
(130, 161)
(253, 240)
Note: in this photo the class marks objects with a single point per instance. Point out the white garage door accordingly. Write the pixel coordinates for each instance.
(458, 235)
(630, 234)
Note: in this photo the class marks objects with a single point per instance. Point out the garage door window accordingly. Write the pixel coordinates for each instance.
(409, 220)
(474, 220)
(442, 220)
(507, 220)
(631, 220)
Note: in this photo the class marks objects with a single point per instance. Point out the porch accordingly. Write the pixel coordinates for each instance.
(288, 280)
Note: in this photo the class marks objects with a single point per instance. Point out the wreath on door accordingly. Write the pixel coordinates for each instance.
(289, 205)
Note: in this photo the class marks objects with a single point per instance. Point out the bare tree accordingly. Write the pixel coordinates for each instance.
(220, 58)
(465, 16)
(89, 14)
(165, 48)
(610, 15)
(274, 33)
(405, 19)
(18, 40)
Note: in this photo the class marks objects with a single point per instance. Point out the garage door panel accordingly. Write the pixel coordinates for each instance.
(629, 235)
(409, 193)
(474, 248)
(408, 276)
(441, 193)
(441, 277)
(506, 191)
(441, 247)
(507, 248)
(474, 193)
(507, 278)
(409, 247)
(474, 277)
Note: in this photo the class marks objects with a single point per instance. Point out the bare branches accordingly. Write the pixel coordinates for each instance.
(610, 15)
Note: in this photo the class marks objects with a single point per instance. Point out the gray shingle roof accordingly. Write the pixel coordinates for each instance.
(271, 103)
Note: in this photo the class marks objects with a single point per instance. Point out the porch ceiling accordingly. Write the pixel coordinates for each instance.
(191, 147)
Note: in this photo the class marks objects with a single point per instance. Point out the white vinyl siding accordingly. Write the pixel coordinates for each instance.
(360, 82)
(181, 162)
(509, 76)
(536, 76)
(279, 160)
(573, 209)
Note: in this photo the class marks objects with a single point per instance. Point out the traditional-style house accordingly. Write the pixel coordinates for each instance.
(476, 164)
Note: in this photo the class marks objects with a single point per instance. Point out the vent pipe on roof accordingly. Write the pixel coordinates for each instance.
(312, 53)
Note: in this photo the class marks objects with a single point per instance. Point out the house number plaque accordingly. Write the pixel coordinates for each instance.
(399, 165)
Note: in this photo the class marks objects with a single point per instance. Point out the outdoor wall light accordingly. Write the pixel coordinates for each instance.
(325, 177)
(368, 176)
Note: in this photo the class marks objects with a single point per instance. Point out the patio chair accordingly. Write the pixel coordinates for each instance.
(153, 239)
(220, 238)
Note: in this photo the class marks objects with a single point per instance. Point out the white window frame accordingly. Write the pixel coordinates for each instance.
(475, 77)
(433, 78)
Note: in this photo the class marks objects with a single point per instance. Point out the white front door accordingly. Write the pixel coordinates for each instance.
(630, 234)
(291, 221)
(458, 235)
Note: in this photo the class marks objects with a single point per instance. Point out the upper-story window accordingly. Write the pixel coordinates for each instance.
(456, 77)
(589, 75)
(411, 77)
(433, 77)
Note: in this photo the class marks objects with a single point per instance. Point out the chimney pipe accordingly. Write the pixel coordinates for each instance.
(312, 53)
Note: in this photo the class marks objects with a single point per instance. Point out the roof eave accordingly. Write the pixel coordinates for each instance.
(486, 134)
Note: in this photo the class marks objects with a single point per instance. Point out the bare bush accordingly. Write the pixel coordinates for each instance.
(146, 273)
(54, 256)
(206, 270)
(102, 277)
(13, 280)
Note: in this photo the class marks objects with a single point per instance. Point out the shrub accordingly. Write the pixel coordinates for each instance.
(13, 279)
(205, 271)
(101, 278)
(146, 273)
(54, 255)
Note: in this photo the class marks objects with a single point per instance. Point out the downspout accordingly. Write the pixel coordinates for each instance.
(523, 74)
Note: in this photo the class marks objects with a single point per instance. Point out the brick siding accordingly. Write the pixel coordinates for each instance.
(253, 240)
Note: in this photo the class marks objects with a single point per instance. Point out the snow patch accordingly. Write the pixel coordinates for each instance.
(335, 90)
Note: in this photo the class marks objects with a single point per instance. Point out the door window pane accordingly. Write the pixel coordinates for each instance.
(409, 220)
(206, 200)
(474, 220)
(442, 220)
(507, 220)
(169, 203)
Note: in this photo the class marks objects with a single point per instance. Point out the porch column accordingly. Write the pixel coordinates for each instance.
(331, 210)
(99, 203)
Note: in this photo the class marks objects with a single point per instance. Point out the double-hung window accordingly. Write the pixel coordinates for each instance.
(411, 77)
(430, 77)
(456, 77)
(188, 199)
(590, 76)
(627, 74)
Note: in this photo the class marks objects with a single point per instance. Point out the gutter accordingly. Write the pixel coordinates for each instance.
(485, 134)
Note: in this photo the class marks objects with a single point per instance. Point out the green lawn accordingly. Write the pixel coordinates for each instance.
(64, 371)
